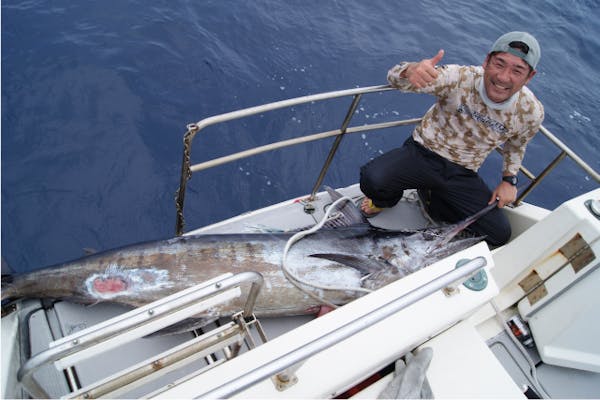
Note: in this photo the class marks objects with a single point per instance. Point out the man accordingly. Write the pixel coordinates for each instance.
(477, 109)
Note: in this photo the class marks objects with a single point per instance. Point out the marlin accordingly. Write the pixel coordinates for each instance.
(350, 259)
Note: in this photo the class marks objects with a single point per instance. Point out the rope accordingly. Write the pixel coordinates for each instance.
(296, 280)
(186, 174)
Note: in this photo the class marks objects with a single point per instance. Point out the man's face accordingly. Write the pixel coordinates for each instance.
(504, 74)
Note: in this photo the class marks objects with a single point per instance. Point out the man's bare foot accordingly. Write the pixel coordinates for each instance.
(368, 209)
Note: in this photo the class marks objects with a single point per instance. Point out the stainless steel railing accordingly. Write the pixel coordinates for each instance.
(239, 383)
(137, 323)
(187, 169)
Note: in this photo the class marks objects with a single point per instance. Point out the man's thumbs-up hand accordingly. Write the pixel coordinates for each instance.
(423, 73)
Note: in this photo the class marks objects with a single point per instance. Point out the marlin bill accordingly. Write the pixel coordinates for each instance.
(344, 257)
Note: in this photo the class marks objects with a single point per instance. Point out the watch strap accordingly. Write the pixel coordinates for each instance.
(512, 179)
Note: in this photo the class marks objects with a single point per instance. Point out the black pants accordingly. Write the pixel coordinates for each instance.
(455, 191)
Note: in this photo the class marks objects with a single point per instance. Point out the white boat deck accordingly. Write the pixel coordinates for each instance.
(465, 363)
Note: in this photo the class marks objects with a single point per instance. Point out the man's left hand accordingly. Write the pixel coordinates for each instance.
(505, 193)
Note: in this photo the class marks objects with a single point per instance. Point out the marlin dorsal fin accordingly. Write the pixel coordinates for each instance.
(351, 215)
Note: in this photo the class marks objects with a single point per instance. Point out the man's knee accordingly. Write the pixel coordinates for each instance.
(493, 227)
(376, 183)
(372, 179)
(499, 236)
(499, 232)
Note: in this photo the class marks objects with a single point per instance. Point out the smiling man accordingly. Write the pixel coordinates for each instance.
(478, 108)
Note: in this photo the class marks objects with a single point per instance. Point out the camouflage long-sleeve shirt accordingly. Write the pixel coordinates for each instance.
(461, 127)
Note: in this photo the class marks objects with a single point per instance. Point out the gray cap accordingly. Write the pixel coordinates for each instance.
(533, 54)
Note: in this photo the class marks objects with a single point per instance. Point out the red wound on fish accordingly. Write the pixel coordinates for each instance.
(109, 285)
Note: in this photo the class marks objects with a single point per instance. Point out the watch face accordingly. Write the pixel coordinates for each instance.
(510, 179)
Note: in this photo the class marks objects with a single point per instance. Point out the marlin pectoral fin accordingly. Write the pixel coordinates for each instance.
(363, 264)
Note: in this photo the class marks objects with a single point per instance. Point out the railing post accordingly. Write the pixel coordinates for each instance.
(541, 176)
(335, 145)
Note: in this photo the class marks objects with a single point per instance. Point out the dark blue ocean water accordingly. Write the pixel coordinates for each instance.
(96, 96)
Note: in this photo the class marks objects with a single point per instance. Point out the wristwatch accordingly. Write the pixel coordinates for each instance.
(512, 179)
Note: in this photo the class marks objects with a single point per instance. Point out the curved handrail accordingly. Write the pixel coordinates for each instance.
(187, 169)
(246, 112)
(193, 129)
(563, 147)
(292, 142)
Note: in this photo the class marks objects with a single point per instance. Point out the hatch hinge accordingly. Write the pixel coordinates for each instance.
(578, 252)
(534, 287)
